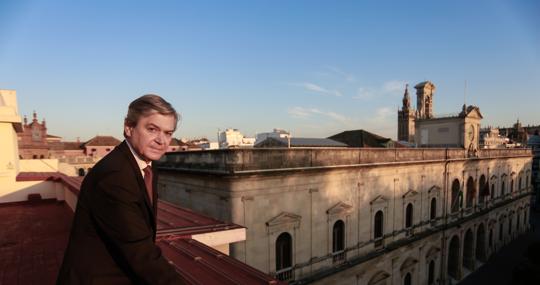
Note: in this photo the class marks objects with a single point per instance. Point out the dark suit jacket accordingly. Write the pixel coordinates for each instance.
(114, 228)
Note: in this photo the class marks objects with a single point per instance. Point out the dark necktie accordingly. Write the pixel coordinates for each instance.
(148, 182)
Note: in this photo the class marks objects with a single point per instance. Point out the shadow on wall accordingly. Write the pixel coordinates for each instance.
(20, 191)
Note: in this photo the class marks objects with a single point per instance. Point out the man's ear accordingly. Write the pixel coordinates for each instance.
(127, 130)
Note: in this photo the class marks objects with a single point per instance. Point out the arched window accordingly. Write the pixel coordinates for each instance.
(433, 209)
(470, 192)
(520, 186)
(283, 253)
(502, 189)
(455, 203)
(338, 234)
(408, 279)
(431, 273)
(81, 172)
(338, 241)
(378, 225)
(453, 258)
(492, 190)
(409, 216)
(468, 254)
(512, 186)
(490, 238)
(481, 243)
(483, 189)
(518, 220)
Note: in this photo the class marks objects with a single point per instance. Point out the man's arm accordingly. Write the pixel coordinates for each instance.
(118, 216)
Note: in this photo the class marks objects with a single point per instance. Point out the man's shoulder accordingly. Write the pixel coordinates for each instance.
(116, 160)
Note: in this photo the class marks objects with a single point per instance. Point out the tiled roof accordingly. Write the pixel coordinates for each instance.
(175, 220)
(208, 266)
(102, 141)
(72, 145)
(32, 241)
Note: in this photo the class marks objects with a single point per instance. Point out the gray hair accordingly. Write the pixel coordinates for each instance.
(146, 105)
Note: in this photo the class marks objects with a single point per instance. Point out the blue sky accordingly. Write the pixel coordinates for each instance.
(315, 68)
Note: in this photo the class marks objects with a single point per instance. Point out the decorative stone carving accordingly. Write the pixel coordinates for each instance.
(339, 210)
(283, 221)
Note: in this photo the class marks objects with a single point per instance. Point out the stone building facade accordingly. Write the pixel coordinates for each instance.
(359, 216)
(422, 128)
(33, 139)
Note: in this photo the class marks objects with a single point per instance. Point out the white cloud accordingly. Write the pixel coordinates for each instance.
(318, 89)
(394, 86)
(300, 112)
(364, 93)
(347, 76)
(391, 87)
(383, 114)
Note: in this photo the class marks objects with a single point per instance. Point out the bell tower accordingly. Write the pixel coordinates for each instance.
(424, 99)
(406, 117)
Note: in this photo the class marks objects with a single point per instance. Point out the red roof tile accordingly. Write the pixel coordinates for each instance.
(200, 264)
(32, 241)
(176, 220)
(103, 141)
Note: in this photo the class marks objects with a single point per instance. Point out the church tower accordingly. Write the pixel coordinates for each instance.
(406, 117)
(424, 99)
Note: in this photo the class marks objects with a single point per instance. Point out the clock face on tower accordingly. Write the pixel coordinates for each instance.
(36, 135)
(470, 132)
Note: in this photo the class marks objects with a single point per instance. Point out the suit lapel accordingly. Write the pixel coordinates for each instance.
(140, 181)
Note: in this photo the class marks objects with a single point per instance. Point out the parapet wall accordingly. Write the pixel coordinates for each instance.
(238, 160)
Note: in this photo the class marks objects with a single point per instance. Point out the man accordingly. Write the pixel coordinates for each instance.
(114, 228)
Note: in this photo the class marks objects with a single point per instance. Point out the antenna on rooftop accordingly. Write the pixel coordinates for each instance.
(465, 93)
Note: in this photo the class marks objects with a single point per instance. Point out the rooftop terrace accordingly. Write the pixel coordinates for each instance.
(35, 233)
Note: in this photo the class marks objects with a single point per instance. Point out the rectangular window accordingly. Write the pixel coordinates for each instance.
(444, 130)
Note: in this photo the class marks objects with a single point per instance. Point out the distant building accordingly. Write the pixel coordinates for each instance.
(518, 134)
(233, 138)
(204, 144)
(270, 142)
(75, 158)
(99, 146)
(363, 138)
(33, 140)
(491, 138)
(424, 129)
(277, 133)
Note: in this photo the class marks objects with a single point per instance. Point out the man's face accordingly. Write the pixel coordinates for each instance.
(151, 137)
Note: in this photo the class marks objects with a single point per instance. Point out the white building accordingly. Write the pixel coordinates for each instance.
(231, 138)
(491, 138)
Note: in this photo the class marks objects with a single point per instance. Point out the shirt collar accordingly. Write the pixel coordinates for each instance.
(140, 162)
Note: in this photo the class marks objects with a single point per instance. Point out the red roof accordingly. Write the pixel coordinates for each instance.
(208, 266)
(32, 241)
(175, 220)
(102, 141)
(196, 262)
